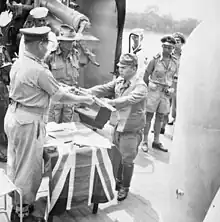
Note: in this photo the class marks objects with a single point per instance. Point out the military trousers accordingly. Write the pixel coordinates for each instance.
(124, 153)
(174, 100)
(26, 135)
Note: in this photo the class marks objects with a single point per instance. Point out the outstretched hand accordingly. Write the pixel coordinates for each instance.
(90, 99)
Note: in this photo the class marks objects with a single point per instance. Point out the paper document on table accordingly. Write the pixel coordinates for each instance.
(54, 127)
(75, 133)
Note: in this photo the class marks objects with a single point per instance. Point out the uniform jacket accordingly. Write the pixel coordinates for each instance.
(129, 101)
(177, 56)
(158, 72)
(32, 86)
(64, 70)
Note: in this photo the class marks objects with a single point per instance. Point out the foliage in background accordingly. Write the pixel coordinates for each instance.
(152, 20)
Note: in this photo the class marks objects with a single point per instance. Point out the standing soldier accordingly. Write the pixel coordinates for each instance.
(64, 65)
(180, 41)
(32, 86)
(159, 77)
(5, 64)
(38, 18)
(137, 36)
(130, 92)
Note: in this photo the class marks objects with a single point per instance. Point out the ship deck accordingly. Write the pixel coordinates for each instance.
(148, 197)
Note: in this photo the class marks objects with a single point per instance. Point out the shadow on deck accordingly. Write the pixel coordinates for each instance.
(134, 209)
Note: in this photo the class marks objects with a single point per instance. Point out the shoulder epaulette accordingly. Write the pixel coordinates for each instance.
(157, 56)
(119, 79)
(174, 57)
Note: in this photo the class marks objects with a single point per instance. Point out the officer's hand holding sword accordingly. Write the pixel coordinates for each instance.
(86, 92)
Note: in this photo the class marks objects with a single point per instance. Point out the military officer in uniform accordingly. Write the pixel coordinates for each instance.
(5, 64)
(137, 36)
(177, 52)
(130, 96)
(38, 18)
(180, 41)
(159, 77)
(32, 87)
(64, 65)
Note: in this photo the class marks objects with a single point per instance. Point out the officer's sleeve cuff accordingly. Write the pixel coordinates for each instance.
(59, 94)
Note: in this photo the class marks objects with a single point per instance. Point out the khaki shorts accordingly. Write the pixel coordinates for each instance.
(157, 101)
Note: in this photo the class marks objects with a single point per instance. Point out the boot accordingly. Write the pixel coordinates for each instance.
(159, 146)
(27, 210)
(162, 131)
(127, 172)
(119, 178)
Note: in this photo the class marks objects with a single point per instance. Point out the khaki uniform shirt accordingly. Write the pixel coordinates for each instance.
(159, 72)
(65, 70)
(32, 84)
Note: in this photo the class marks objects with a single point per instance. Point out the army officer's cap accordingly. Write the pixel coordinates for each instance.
(35, 33)
(168, 40)
(128, 59)
(179, 35)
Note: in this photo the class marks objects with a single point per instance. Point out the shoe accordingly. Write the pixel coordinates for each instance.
(15, 218)
(3, 157)
(122, 194)
(27, 210)
(171, 123)
(159, 146)
(162, 131)
(118, 185)
(145, 147)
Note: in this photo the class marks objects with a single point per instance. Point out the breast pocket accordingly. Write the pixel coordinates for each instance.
(58, 70)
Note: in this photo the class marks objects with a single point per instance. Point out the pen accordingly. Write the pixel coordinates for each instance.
(68, 141)
(52, 136)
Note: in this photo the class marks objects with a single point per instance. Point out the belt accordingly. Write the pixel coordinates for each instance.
(138, 131)
(159, 87)
(35, 110)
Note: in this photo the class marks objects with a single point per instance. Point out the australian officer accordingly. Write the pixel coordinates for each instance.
(37, 18)
(177, 52)
(159, 77)
(64, 65)
(180, 41)
(31, 88)
(130, 97)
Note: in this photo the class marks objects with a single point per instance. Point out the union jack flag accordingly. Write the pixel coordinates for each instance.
(81, 174)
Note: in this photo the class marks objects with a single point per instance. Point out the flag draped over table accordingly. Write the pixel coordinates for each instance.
(75, 175)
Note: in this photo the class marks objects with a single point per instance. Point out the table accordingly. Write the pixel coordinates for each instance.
(81, 167)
